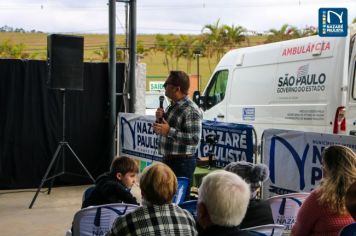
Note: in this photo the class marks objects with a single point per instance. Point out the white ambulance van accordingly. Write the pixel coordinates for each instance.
(305, 84)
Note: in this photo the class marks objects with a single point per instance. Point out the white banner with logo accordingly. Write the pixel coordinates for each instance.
(234, 142)
(294, 158)
(137, 138)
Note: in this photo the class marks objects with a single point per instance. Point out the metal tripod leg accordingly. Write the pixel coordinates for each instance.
(61, 155)
(82, 165)
(62, 144)
(46, 174)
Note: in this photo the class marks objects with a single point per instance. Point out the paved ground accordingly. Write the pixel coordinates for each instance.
(51, 214)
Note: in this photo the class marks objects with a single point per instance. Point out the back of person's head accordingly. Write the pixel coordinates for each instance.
(339, 172)
(181, 79)
(158, 184)
(225, 197)
(350, 200)
(253, 174)
(123, 165)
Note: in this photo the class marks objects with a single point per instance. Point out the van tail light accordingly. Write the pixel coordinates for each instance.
(340, 121)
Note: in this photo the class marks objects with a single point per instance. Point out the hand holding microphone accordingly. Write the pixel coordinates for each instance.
(160, 110)
(161, 126)
(161, 100)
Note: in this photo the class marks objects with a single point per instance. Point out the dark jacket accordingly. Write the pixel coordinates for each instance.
(108, 189)
(217, 230)
(258, 213)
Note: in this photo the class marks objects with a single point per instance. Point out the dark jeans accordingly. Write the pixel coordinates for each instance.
(183, 168)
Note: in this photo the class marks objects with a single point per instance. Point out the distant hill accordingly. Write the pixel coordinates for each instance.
(35, 45)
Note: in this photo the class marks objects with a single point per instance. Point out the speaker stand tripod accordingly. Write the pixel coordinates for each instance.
(61, 148)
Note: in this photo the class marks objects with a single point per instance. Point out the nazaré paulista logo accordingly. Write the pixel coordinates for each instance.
(332, 22)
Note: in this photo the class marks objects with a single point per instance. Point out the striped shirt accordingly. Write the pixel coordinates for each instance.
(185, 121)
(165, 220)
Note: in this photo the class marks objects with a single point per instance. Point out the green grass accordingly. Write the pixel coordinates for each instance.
(36, 43)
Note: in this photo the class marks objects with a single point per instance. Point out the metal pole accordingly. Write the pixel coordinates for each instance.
(63, 91)
(197, 53)
(132, 57)
(125, 89)
(112, 76)
(198, 71)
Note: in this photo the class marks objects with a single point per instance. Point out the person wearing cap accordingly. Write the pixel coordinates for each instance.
(258, 211)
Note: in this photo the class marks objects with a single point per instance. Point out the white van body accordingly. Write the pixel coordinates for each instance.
(305, 84)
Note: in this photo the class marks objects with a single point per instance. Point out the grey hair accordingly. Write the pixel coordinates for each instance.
(252, 173)
(226, 197)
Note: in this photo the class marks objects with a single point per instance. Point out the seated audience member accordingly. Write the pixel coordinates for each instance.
(258, 211)
(323, 212)
(350, 200)
(114, 186)
(222, 203)
(157, 215)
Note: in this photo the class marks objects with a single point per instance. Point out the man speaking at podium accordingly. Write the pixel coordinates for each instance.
(179, 127)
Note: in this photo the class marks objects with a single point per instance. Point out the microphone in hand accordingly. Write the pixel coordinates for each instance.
(161, 100)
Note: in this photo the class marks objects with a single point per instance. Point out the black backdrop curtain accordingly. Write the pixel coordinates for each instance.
(31, 123)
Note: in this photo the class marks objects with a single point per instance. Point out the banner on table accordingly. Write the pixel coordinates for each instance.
(294, 158)
(234, 142)
(137, 138)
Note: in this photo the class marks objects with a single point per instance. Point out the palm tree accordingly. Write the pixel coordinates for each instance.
(160, 46)
(187, 46)
(308, 31)
(143, 51)
(103, 54)
(167, 46)
(177, 51)
(213, 38)
(234, 35)
(286, 32)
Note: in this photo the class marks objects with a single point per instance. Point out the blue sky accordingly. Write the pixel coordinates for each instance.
(164, 16)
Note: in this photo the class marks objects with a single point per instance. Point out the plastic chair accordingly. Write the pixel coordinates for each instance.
(98, 220)
(182, 190)
(87, 192)
(285, 209)
(267, 230)
(190, 206)
(349, 230)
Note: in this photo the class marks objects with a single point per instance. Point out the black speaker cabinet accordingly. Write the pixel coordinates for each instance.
(65, 59)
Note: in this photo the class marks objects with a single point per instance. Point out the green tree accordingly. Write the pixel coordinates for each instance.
(141, 49)
(14, 51)
(213, 38)
(103, 54)
(286, 32)
(186, 49)
(166, 44)
(234, 35)
(308, 31)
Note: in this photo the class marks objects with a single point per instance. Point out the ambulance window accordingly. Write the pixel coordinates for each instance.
(217, 88)
(354, 84)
